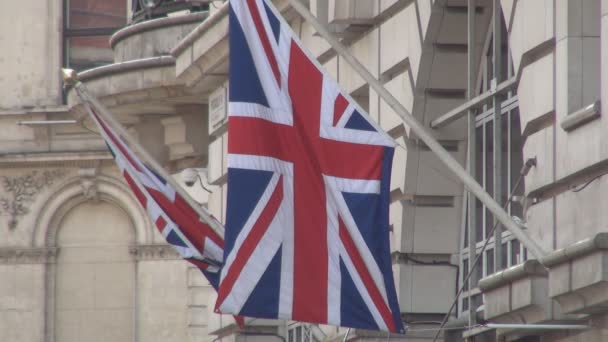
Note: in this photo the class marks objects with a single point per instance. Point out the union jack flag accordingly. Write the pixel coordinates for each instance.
(173, 217)
(308, 188)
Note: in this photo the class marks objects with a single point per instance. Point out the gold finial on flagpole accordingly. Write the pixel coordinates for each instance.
(70, 76)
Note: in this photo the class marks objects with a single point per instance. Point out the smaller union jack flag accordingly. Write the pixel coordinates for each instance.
(173, 217)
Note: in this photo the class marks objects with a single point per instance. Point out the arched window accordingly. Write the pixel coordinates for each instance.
(510, 250)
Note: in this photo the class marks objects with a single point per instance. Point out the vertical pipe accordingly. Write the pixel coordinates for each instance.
(497, 176)
(471, 146)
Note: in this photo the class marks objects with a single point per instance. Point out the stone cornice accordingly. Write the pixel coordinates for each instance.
(123, 67)
(155, 24)
(28, 255)
(154, 252)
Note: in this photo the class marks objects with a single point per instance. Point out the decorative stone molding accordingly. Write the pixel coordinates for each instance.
(20, 192)
(154, 252)
(88, 182)
(28, 255)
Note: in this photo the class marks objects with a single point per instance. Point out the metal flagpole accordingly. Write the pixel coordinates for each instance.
(470, 183)
(70, 78)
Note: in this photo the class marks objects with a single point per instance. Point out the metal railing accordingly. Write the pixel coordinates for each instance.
(151, 9)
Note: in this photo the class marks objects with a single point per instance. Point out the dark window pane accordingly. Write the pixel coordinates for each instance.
(97, 13)
(505, 256)
(490, 262)
(465, 271)
(89, 52)
(515, 252)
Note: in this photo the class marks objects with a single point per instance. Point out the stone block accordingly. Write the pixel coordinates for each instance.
(217, 155)
(198, 316)
(540, 145)
(403, 283)
(403, 215)
(536, 91)
(114, 285)
(588, 293)
(398, 173)
(7, 287)
(532, 25)
(394, 30)
(577, 214)
(216, 202)
(433, 176)
(434, 107)
(437, 229)
(400, 87)
(198, 295)
(497, 302)
(438, 280)
(559, 279)
(154, 277)
(196, 278)
(541, 224)
(588, 270)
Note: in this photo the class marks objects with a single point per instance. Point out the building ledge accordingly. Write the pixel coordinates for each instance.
(123, 67)
(578, 276)
(523, 270)
(581, 117)
(578, 249)
(155, 24)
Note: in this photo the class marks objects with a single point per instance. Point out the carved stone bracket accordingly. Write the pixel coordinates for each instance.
(154, 252)
(19, 192)
(28, 255)
(88, 182)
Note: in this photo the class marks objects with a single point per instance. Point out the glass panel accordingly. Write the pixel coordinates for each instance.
(505, 256)
(515, 252)
(299, 334)
(489, 171)
(465, 271)
(97, 13)
(489, 262)
(465, 304)
(89, 52)
(290, 336)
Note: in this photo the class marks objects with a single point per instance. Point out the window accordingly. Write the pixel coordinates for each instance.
(88, 26)
(510, 250)
(298, 332)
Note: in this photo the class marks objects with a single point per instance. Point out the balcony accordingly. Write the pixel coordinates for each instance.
(143, 10)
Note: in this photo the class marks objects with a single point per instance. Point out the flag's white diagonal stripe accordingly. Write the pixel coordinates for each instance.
(254, 268)
(352, 270)
(251, 221)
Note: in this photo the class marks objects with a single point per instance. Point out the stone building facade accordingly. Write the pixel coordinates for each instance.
(79, 259)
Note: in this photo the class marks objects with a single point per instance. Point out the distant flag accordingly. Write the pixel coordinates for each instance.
(307, 233)
(181, 226)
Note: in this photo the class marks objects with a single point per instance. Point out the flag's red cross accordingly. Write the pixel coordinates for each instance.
(312, 156)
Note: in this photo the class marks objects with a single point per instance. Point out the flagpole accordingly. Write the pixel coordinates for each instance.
(70, 78)
(470, 183)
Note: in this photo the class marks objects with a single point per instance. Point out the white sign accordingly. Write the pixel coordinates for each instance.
(218, 108)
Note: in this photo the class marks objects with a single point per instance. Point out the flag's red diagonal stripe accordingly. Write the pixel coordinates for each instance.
(193, 229)
(116, 141)
(339, 108)
(366, 277)
(198, 263)
(251, 242)
(182, 205)
(138, 194)
(259, 26)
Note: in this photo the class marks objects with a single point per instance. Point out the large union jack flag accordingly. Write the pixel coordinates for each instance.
(308, 188)
(173, 217)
